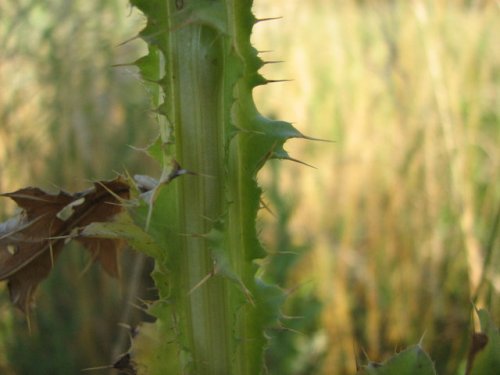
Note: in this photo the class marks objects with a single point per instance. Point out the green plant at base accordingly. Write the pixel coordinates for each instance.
(484, 354)
(483, 358)
(412, 360)
(212, 310)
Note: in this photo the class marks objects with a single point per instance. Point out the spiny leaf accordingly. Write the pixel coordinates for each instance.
(221, 261)
(31, 241)
(411, 361)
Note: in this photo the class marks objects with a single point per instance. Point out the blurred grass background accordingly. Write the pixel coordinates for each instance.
(67, 117)
(390, 238)
(402, 215)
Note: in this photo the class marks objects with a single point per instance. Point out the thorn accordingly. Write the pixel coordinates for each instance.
(365, 354)
(70, 236)
(355, 351)
(118, 174)
(143, 309)
(247, 293)
(286, 253)
(421, 339)
(111, 192)
(96, 368)
(267, 81)
(295, 160)
(209, 219)
(272, 62)
(290, 317)
(122, 65)
(25, 196)
(290, 291)
(144, 37)
(22, 227)
(268, 19)
(51, 252)
(145, 302)
(140, 149)
(125, 325)
(199, 174)
(266, 207)
(201, 282)
(128, 40)
(302, 136)
(285, 328)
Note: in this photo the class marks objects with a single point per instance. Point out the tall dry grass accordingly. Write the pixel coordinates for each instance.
(402, 213)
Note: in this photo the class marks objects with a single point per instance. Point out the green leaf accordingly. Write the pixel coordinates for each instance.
(123, 228)
(411, 361)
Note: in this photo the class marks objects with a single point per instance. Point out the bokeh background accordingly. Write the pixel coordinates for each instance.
(385, 243)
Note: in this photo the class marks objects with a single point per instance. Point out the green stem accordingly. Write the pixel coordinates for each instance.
(196, 76)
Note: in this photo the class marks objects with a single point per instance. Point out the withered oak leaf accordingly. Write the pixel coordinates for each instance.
(31, 241)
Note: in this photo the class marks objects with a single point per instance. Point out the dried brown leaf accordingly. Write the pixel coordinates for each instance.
(31, 241)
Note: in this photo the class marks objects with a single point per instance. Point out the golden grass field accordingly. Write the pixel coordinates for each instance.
(402, 212)
(401, 215)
